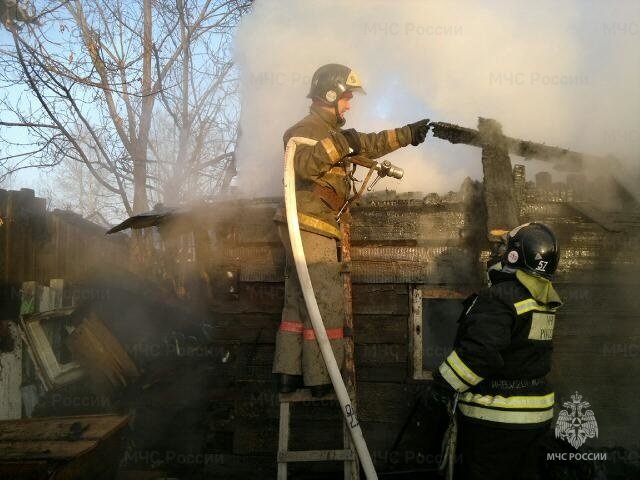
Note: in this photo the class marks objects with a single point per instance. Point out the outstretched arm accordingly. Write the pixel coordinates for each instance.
(374, 145)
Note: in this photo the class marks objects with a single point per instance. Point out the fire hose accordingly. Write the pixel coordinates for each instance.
(449, 442)
(348, 410)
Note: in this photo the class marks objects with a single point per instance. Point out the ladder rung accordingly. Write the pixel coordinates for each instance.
(304, 395)
(315, 456)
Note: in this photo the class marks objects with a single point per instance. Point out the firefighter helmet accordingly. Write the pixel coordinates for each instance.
(532, 247)
(330, 81)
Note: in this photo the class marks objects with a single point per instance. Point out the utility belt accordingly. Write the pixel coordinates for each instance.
(329, 196)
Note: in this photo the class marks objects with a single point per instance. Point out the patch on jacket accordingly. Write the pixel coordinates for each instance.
(542, 326)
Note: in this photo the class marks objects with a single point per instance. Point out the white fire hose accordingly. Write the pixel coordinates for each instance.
(314, 312)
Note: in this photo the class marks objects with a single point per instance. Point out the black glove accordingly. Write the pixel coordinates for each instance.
(353, 139)
(419, 131)
(441, 393)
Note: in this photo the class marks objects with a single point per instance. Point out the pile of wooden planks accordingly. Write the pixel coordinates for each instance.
(61, 448)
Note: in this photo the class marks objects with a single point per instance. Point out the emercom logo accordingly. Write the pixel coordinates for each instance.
(577, 422)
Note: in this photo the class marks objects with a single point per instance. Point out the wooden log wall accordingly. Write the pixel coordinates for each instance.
(393, 249)
(597, 333)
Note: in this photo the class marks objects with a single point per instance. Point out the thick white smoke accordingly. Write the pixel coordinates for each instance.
(564, 73)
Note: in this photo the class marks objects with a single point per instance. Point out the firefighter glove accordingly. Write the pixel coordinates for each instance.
(353, 139)
(419, 131)
(440, 393)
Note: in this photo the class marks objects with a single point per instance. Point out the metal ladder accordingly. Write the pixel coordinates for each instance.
(346, 454)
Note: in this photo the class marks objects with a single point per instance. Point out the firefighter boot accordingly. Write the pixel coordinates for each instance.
(289, 383)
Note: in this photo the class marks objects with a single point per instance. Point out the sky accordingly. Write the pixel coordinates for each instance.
(562, 73)
(60, 36)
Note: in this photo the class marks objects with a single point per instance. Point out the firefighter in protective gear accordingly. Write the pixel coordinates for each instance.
(323, 184)
(501, 355)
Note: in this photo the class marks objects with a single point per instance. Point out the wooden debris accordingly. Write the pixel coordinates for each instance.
(100, 351)
(42, 327)
(61, 448)
(11, 376)
(499, 191)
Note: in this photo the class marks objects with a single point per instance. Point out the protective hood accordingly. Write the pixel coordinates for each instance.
(540, 288)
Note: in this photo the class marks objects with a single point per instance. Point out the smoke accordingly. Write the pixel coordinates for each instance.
(563, 73)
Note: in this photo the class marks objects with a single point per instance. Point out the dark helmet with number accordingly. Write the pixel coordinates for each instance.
(332, 80)
(532, 247)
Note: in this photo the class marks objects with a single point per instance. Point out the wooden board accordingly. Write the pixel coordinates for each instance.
(69, 453)
(499, 191)
(58, 428)
(11, 378)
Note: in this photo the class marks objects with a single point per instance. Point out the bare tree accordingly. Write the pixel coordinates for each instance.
(142, 94)
(71, 186)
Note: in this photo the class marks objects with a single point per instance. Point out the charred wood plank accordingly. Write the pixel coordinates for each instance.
(375, 329)
(499, 192)
(383, 299)
(564, 158)
(386, 402)
(94, 427)
(382, 354)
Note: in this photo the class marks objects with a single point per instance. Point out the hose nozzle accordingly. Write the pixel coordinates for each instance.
(387, 169)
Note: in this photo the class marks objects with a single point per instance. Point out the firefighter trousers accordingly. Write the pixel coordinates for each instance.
(497, 453)
(297, 350)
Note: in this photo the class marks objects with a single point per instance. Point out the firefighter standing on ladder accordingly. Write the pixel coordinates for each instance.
(323, 184)
(501, 355)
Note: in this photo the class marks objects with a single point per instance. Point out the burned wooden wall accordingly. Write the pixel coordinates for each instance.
(436, 242)
(38, 245)
(596, 344)
(224, 417)
(395, 244)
